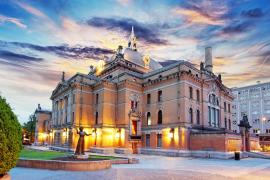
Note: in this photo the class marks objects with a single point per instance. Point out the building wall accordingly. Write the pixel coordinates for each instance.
(41, 134)
(254, 101)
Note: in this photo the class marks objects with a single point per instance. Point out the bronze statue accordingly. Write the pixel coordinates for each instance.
(80, 145)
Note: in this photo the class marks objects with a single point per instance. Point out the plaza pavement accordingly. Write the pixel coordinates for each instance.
(159, 167)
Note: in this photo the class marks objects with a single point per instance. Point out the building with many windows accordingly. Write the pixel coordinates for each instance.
(254, 101)
(131, 103)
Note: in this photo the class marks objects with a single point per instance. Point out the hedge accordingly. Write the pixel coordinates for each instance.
(10, 138)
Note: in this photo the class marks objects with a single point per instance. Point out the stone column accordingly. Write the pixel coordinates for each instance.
(247, 140)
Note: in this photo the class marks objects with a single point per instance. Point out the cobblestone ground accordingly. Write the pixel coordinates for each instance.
(157, 167)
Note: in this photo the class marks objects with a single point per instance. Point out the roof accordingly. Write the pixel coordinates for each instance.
(250, 86)
(137, 58)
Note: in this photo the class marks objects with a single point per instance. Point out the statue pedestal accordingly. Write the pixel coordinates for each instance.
(81, 156)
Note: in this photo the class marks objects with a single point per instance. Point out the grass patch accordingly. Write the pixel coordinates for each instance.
(49, 155)
(42, 155)
(103, 157)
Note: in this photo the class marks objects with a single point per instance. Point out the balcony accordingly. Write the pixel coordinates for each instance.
(135, 137)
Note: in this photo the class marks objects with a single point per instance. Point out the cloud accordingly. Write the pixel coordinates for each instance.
(203, 12)
(65, 51)
(31, 9)
(148, 32)
(124, 2)
(236, 28)
(193, 16)
(15, 21)
(18, 58)
(253, 13)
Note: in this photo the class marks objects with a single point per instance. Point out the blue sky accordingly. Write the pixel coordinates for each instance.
(41, 38)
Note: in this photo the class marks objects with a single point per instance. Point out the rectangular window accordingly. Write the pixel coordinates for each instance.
(73, 116)
(159, 96)
(148, 98)
(225, 107)
(209, 115)
(218, 118)
(96, 122)
(198, 95)
(147, 140)
(73, 98)
(229, 108)
(159, 140)
(131, 104)
(190, 92)
(97, 96)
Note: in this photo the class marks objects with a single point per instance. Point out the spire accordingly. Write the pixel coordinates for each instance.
(132, 40)
(63, 76)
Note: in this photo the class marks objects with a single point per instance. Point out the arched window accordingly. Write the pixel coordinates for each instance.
(213, 110)
(148, 118)
(198, 116)
(190, 115)
(159, 117)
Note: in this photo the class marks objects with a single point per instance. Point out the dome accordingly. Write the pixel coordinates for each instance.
(137, 58)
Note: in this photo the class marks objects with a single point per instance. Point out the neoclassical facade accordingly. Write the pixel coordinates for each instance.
(131, 103)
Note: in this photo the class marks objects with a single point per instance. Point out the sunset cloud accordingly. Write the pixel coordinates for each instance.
(40, 39)
(17, 22)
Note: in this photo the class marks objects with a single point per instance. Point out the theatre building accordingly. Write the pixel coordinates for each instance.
(130, 103)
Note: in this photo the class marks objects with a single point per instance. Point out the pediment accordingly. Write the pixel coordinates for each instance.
(59, 88)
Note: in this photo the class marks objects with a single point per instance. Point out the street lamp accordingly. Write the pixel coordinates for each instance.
(263, 120)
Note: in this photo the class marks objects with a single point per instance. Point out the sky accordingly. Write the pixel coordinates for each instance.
(41, 38)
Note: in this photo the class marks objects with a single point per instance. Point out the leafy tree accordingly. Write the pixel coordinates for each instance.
(10, 138)
(30, 126)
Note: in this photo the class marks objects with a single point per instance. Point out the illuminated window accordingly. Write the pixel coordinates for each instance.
(148, 118)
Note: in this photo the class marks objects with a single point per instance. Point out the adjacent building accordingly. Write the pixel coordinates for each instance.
(43, 119)
(254, 101)
(131, 103)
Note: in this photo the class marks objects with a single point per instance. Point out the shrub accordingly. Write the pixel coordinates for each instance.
(10, 138)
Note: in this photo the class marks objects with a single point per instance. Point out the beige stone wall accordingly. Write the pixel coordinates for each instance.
(41, 135)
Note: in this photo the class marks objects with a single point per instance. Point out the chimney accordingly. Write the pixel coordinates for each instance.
(208, 59)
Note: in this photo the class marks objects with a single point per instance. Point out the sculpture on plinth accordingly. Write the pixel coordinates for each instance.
(80, 145)
(244, 130)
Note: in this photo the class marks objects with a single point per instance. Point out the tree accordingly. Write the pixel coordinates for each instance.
(10, 137)
(29, 127)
